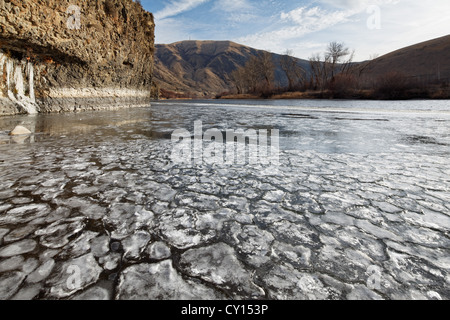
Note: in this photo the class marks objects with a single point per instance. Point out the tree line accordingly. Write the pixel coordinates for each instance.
(331, 74)
(258, 74)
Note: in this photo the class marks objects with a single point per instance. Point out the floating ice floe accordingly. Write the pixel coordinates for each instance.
(161, 282)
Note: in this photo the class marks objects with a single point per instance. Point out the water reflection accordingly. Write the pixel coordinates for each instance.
(325, 126)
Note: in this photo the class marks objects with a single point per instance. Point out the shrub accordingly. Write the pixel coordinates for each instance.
(343, 86)
(392, 85)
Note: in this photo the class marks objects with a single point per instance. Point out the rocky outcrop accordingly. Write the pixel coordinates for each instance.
(57, 56)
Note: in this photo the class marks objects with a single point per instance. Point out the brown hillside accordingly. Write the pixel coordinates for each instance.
(426, 61)
(202, 68)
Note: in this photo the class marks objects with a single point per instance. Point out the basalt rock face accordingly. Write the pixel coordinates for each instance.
(58, 56)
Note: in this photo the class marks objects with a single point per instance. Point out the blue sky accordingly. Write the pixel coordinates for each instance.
(370, 27)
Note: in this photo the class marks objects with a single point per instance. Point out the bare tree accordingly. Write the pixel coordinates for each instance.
(294, 72)
(241, 78)
(335, 53)
(333, 63)
(257, 75)
(267, 69)
(320, 70)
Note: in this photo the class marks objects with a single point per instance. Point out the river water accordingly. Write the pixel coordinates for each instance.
(356, 205)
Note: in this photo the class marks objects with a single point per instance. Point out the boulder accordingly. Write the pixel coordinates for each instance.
(20, 131)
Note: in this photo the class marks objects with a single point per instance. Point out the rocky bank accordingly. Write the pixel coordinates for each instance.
(57, 56)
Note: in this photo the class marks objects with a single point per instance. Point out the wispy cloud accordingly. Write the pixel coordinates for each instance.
(356, 5)
(296, 24)
(235, 11)
(177, 7)
(232, 5)
(305, 26)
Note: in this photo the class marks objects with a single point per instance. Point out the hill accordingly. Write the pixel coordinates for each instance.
(203, 68)
(426, 62)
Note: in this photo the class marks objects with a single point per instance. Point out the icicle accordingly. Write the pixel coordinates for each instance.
(15, 83)
(2, 66)
(18, 80)
(2, 61)
(30, 74)
(9, 72)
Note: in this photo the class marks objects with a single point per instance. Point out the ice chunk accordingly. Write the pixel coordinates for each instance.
(6, 194)
(158, 251)
(363, 293)
(78, 247)
(73, 275)
(368, 213)
(5, 207)
(14, 263)
(274, 196)
(48, 254)
(19, 234)
(428, 219)
(84, 189)
(30, 265)
(3, 232)
(178, 229)
(57, 234)
(377, 232)
(294, 233)
(28, 292)
(42, 272)
(102, 291)
(10, 283)
(219, 265)
(161, 282)
(387, 207)
(284, 282)
(91, 210)
(110, 262)
(302, 203)
(121, 219)
(135, 245)
(25, 213)
(296, 255)
(213, 220)
(435, 256)
(100, 246)
(18, 248)
(255, 244)
(22, 200)
(338, 218)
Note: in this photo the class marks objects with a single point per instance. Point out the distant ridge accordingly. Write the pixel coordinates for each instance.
(426, 61)
(202, 68)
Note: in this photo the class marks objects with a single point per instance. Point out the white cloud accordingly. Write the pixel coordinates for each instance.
(314, 19)
(232, 5)
(236, 11)
(297, 23)
(356, 5)
(177, 7)
(276, 25)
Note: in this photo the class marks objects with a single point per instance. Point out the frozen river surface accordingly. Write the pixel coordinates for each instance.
(92, 207)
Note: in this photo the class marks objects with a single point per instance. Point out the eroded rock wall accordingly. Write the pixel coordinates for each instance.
(74, 55)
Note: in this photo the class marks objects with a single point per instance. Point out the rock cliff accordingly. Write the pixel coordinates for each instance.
(60, 56)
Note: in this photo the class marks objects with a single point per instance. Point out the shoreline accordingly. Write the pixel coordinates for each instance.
(328, 95)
